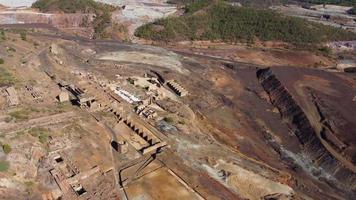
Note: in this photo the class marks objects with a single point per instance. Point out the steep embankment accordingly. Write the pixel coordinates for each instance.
(299, 124)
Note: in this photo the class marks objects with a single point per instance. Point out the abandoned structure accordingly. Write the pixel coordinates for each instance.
(86, 100)
(149, 113)
(83, 99)
(126, 96)
(177, 88)
(36, 95)
(63, 96)
(122, 147)
(146, 112)
(12, 97)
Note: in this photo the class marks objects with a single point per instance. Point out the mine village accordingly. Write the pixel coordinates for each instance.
(126, 101)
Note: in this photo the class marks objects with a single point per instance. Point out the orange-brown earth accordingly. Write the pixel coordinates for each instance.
(260, 53)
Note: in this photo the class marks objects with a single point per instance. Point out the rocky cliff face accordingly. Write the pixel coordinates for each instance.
(298, 122)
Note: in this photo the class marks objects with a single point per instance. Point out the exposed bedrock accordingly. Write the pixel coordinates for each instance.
(298, 122)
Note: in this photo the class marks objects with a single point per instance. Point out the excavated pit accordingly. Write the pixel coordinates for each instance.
(302, 128)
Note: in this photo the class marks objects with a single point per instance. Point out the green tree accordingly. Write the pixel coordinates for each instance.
(7, 148)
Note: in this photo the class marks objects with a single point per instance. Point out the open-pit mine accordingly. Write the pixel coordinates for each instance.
(102, 119)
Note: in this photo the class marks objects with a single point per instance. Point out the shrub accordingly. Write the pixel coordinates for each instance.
(41, 133)
(6, 78)
(352, 11)
(23, 35)
(130, 80)
(4, 166)
(324, 50)
(168, 119)
(2, 61)
(7, 148)
(2, 35)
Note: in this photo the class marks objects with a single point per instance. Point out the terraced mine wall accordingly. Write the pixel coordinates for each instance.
(301, 126)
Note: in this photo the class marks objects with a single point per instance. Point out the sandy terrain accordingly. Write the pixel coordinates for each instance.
(145, 188)
(167, 59)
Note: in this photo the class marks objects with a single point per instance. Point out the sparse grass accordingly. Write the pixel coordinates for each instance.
(20, 133)
(23, 35)
(41, 133)
(61, 107)
(197, 5)
(6, 78)
(20, 115)
(7, 148)
(4, 166)
(2, 35)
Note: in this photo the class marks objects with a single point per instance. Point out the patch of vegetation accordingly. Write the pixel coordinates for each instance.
(60, 108)
(352, 11)
(102, 12)
(2, 61)
(23, 35)
(29, 184)
(101, 22)
(2, 35)
(20, 133)
(130, 80)
(4, 166)
(6, 78)
(120, 31)
(221, 21)
(41, 133)
(20, 115)
(324, 50)
(10, 49)
(194, 6)
(8, 119)
(71, 6)
(168, 119)
(7, 148)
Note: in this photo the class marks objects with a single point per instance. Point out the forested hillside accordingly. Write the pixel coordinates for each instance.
(217, 20)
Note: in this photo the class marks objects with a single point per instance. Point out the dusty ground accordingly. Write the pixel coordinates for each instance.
(225, 138)
(260, 53)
